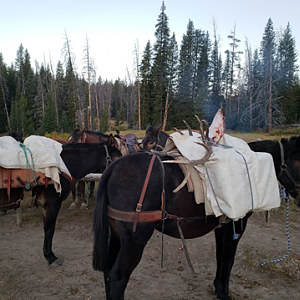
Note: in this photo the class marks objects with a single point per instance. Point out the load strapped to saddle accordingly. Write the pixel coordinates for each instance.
(234, 180)
(36, 162)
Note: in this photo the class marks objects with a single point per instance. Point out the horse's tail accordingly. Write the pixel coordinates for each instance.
(100, 225)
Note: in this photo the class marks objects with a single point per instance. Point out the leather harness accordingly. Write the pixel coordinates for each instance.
(139, 216)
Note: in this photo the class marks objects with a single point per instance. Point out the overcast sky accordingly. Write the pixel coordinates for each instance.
(114, 27)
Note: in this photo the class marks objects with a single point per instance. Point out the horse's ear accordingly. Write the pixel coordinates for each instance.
(149, 128)
(111, 141)
(157, 130)
(81, 132)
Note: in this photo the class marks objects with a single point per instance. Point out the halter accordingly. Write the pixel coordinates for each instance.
(283, 169)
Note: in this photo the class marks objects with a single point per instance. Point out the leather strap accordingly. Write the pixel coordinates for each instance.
(143, 216)
(140, 203)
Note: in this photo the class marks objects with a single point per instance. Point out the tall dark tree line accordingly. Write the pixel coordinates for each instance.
(174, 82)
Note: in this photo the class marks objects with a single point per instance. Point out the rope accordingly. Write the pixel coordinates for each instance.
(284, 197)
(28, 167)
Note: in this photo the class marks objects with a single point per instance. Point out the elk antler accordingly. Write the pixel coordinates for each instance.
(189, 128)
(207, 130)
(191, 164)
(202, 130)
(178, 130)
(201, 126)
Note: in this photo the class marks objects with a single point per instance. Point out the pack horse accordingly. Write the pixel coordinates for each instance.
(77, 159)
(135, 197)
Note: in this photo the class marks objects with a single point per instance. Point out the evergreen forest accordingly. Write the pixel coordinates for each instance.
(258, 88)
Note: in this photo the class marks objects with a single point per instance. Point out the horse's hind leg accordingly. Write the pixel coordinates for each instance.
(225, 254)
(126, 260)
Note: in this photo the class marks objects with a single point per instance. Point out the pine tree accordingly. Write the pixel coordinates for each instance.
(267, 52)
(71, 100)
(64, 126)
(104, 123)
(4, 115)
(160, 70)
(216, 65)
(202, 76)
(146, 86)
(184, 103)
(49, 121)
(169, 113)
(287, 59)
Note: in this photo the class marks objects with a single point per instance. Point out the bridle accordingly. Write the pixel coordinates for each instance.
(284, 169)
(82, 140)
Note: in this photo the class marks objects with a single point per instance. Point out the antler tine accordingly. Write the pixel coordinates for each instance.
(178, 130)
(201, 126)
(205, 157)
(207, 130)
(189, 128)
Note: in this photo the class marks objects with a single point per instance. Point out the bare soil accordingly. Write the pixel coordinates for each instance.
(25, 274)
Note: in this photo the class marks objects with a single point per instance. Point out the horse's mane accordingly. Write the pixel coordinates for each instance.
(96, 133)
(82, 145)
(74, 134)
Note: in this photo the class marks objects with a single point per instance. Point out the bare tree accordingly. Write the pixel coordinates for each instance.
(89, 71)
(54, 87)
(234, 59)
(67, 53)
(137, 64)
(249, 78)
(3, 89)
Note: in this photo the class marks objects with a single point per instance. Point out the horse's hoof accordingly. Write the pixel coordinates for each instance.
(56, 263)
(73, 205)
(83, 206)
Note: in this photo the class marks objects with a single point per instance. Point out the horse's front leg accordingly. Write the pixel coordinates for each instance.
(225, 254)
(127, 258)
(51, 209)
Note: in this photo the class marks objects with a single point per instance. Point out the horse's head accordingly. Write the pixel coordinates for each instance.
(290, 174)
(154, 138)
(84, 158)
(76, 136)
(113, 148)
(17, 136)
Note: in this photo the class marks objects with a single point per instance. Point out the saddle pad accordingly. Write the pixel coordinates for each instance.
(45, 154)
(235, 179)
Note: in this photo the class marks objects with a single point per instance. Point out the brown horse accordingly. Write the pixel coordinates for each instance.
(126, 144)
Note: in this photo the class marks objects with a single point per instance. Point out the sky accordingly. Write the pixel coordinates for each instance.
(114, 28)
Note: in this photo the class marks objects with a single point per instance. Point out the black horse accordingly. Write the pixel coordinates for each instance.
(121, 231)
(286, 158)
(155, 138)
(80, 159)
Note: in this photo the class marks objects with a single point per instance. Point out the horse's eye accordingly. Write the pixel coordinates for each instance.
(151, 143)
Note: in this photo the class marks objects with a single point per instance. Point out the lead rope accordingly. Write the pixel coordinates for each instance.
(28, 167)
(284, 197)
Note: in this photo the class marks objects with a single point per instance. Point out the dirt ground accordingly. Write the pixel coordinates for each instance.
(25, 274)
